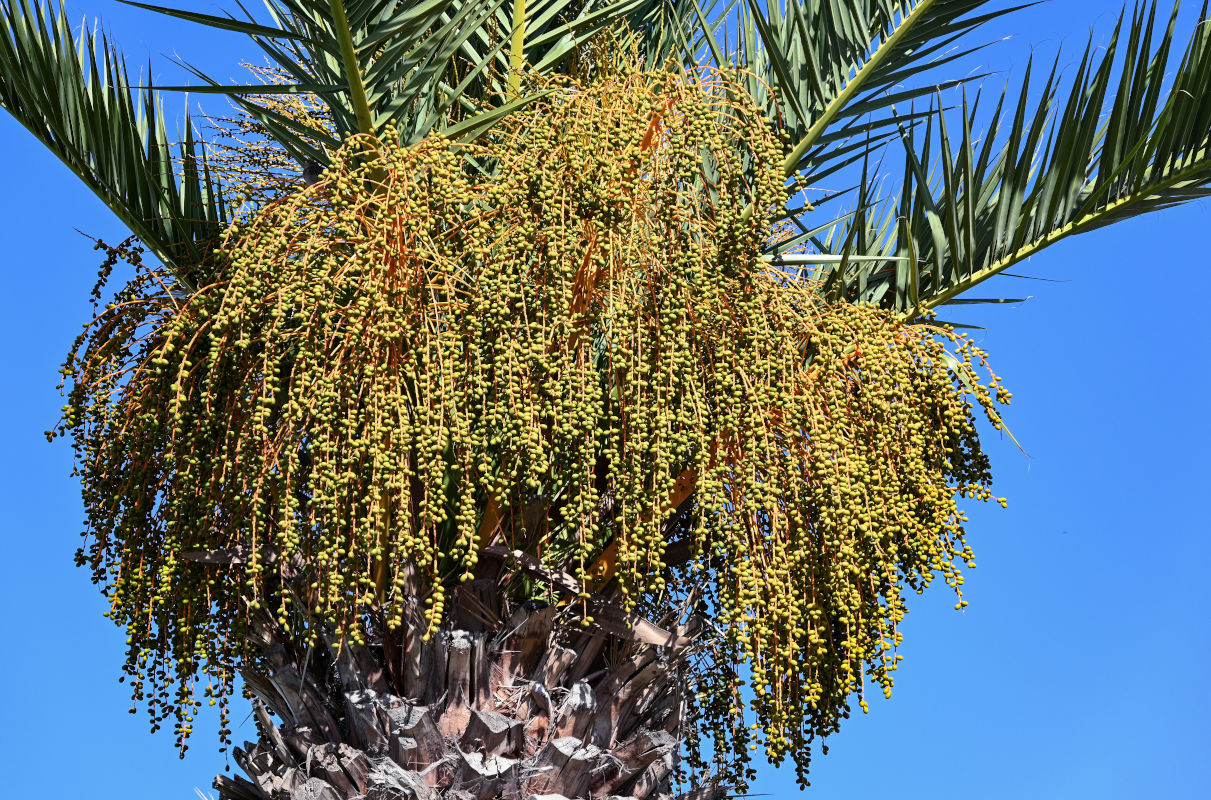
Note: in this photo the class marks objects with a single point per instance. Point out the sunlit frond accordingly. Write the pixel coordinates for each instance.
(70, 92)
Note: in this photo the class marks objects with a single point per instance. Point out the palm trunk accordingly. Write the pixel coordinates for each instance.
(507, 700)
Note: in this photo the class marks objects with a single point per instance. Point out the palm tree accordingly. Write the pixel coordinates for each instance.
(545, 671)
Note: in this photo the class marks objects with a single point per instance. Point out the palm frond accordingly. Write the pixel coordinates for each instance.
(70, 92)
(438, 66)
(1054, 162)
(831, 72)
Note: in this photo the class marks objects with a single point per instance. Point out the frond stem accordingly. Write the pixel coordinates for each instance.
(357, 90)
(517, 48)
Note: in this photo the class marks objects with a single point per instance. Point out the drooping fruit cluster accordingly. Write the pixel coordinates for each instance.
(395, 362)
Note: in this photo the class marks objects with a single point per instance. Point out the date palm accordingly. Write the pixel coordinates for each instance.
(512, 694)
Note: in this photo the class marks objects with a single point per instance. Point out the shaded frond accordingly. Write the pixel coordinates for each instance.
(830, 72)
(444, 67)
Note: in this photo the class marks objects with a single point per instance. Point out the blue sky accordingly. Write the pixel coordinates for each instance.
(1078, 670)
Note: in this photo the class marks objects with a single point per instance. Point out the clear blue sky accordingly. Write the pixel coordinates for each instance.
(1080, 669)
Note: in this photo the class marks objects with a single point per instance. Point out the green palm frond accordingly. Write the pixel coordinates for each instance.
(1131, 134)
(1151, 151)
(830, 72)
(438, 66)
(71, 94)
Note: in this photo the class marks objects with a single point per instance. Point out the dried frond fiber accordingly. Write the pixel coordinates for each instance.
(574, 310)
